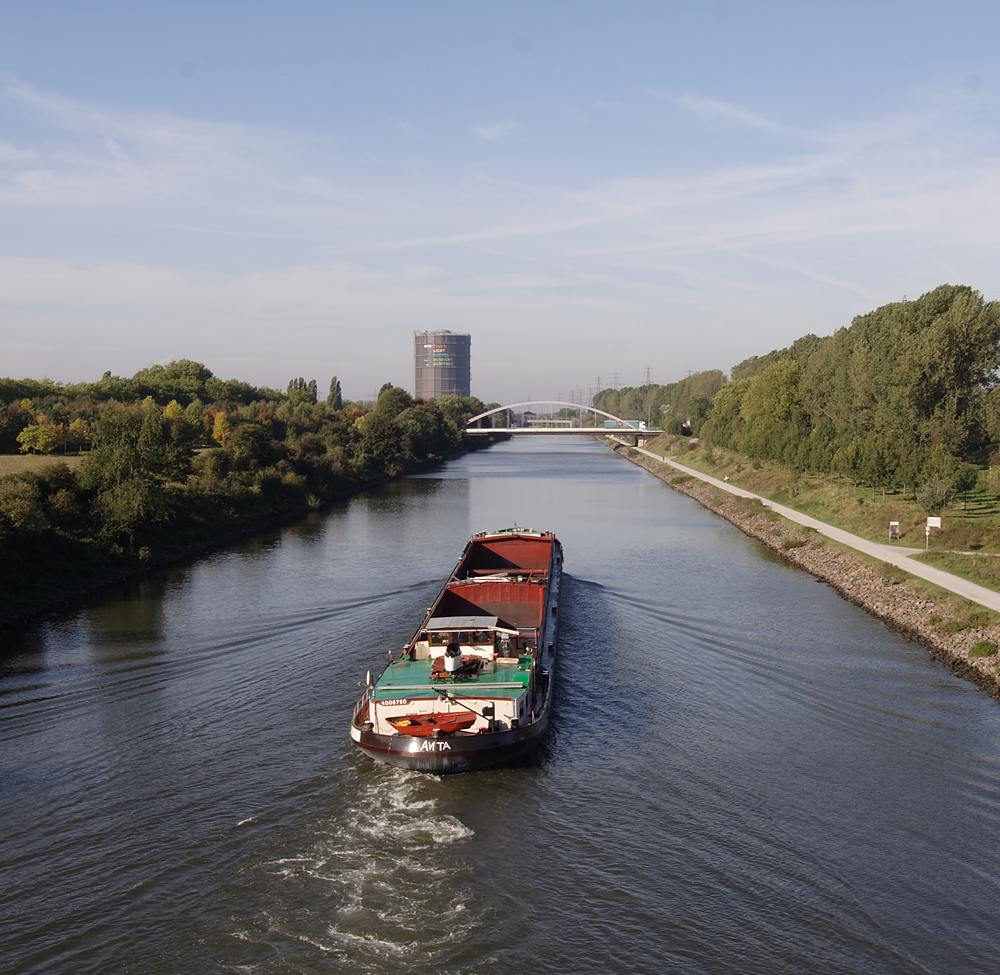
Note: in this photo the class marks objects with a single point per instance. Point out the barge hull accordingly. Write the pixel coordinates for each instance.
(499, 609)
(450, 754)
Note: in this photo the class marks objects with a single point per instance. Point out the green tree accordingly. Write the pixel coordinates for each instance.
(935, 494)
(132, 460)
(772, 412)
(725, 418)
(392, 400)
(335, 399)
(182, 380)
(382, 447)
(249, 446)
(302, 391)
(38, 438)
(457, 409)
(427, 434)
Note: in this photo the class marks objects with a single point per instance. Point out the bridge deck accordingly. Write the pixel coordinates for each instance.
(566, 431)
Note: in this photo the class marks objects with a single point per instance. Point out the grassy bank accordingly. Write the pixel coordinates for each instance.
(971, 524)
(41, 578)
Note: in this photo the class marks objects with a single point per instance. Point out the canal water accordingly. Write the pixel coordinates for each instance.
(745, 772)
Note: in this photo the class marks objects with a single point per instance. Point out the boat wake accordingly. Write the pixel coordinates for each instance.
(385, 882)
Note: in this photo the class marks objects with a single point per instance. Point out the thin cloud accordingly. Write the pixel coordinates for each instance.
(715, 108)
(495, 131)
(15, 154)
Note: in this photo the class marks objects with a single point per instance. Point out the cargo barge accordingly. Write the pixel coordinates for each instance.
(472, 689)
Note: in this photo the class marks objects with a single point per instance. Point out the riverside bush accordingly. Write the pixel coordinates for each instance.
(793, 542)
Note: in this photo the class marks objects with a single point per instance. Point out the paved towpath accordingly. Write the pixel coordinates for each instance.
(892, 554)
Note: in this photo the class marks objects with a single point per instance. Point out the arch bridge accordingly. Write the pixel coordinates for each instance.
(549, 425)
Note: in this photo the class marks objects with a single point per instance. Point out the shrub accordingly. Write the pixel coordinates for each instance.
(984, 649)
(21, 504)
(212, 463)
(64, 507)
(935, 493)
(893, 577)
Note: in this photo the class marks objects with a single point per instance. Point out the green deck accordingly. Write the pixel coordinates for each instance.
(412, 679)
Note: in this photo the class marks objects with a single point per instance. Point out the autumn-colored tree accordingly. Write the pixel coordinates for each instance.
(78, 433)
(221, 429)
(173, 413)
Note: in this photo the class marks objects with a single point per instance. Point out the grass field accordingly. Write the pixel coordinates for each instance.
(971, 524)
(17, 463)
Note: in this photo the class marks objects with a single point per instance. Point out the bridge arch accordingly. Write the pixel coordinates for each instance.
(549, 402)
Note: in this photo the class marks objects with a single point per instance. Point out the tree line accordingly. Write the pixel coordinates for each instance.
(906, 396)
(672, 406)
(174, 455)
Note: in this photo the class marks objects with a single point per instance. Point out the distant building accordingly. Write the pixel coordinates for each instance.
(442, 361)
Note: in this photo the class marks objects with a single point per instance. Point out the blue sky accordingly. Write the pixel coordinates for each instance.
(281, 190)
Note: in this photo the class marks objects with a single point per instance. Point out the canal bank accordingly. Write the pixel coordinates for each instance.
(58, 572)
(952, 634)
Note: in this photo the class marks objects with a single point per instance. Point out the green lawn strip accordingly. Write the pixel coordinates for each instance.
(970, 525)
(19, 463)
(981, 569)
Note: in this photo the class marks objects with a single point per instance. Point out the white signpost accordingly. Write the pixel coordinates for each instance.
(933, 521)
